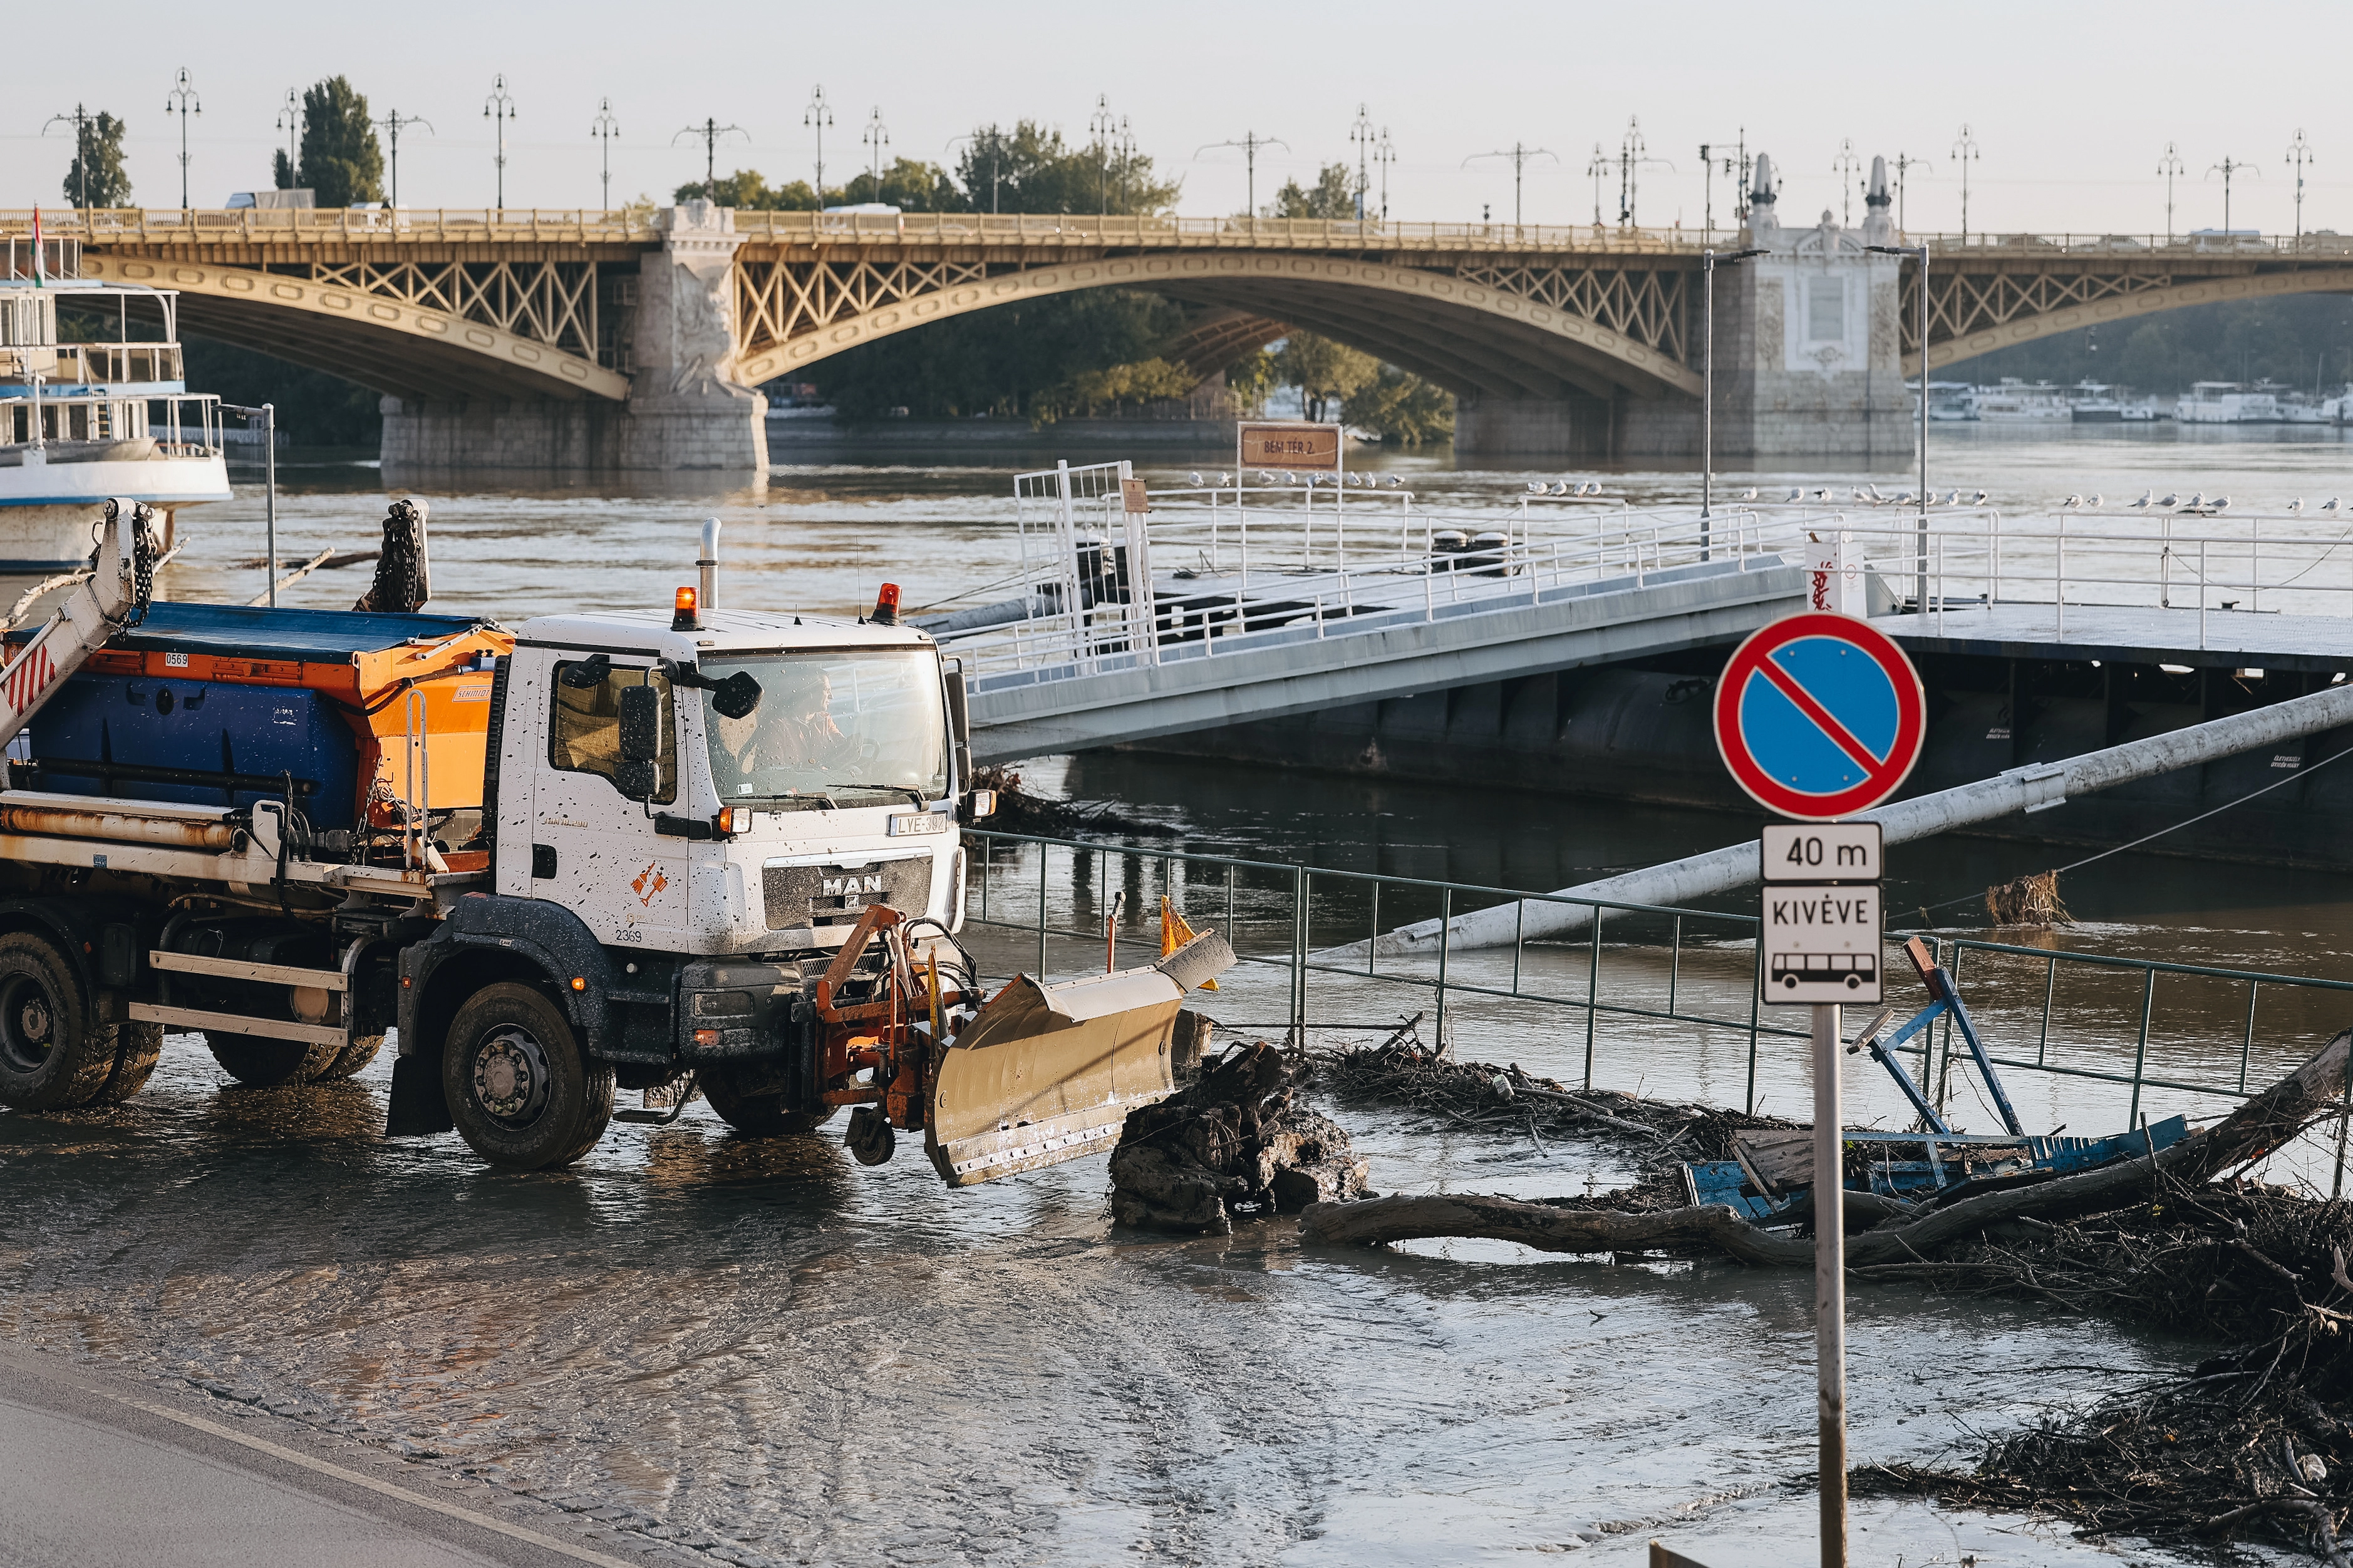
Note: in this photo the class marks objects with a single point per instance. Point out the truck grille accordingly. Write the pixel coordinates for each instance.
(824, 895)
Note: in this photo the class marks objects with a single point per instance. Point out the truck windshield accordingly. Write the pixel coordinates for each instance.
(845, 728)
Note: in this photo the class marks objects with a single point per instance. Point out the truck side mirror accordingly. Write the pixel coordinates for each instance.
(735, 697)
(959, 718)
(583, 674)
(640, 724)
(984, 803)
(636, 780)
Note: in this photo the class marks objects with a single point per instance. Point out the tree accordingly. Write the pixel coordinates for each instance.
(745, 191)
(1402, 409)
(96, 178)
(1333, 196)
(1325, 371)
(909, 185)
(1249, 379)
(342, 162)
(1030, 169)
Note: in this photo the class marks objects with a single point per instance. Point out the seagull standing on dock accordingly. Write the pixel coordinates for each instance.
(1823, 493)
(2071, 503)
(1875, 497)
(2197, 499)
(2296, 506)
(1797, 495)
(2219, 503)
(1980, 500)
(2094, 502)
(2328, 505)
(2172, 499)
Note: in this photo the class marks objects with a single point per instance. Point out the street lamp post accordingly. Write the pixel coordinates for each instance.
(1707, 399)
(1363, 134)
(1250, 144)
(819, 115)
(1519, 155)
(2299, 154)
(290, 120)
(2170, 165)
(1965, 153)
(183, 102)
(1101, 126)
(2230, 167)
(1920, 573)
(604, 128)
(876, 136)
(392, 122)
(1385, 155)
(1905, 164)
(710, 131)
(499, 107)
(79, 120)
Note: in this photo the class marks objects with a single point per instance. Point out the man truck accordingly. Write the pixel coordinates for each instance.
(694, 851)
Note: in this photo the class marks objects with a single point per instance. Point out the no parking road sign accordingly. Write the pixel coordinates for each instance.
(1819, 716)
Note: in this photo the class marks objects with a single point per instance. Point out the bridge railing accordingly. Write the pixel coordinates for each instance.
(1215, 572)
(2204, 562)
(1656, 1000)
(205, 225)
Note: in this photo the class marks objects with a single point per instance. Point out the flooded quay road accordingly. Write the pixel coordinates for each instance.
(764, 1354)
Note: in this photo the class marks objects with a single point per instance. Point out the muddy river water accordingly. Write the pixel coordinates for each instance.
(766, 1353)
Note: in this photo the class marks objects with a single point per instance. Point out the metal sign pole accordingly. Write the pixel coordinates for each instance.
(1830, 1282)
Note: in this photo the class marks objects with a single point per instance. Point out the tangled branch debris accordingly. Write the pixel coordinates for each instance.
(1402, 1072)
(2029, 901)
(1021, 809)
(1233, 1140)
(2249, 1444)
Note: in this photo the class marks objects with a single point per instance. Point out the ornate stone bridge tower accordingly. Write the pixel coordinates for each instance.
(685, 409)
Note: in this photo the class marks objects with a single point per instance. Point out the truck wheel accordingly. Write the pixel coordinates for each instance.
(761, 1115)
(137, 1048)
(50, 1058)
(520, 1089)
(258, 1062)
(351, 1059)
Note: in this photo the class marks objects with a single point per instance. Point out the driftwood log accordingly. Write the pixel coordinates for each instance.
(2256, 1128)
(1233, 1140)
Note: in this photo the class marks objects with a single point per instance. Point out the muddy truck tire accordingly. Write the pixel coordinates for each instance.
(258, 1062)
(137, 1048)
(352, 1060)
(520, 1088)
(760, 1115)
(52, 1057)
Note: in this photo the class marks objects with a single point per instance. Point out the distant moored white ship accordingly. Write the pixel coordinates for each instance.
(80, 421)
(2227, 403)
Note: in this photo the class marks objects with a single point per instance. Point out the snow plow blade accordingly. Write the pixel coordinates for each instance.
(1048, 1073)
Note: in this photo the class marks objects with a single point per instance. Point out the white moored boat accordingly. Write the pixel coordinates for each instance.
(2227, 403)
(83, 420)
(2015, 402)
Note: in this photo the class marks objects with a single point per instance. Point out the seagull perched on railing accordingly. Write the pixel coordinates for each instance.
(1749, 494)
(2142, 504)
(1196, 478)
(1395, 481)
(2172, 499)
(1980, 500)
(1797, 495)
(1956, 500)
(2328, 505)
(1875, 497)
(1562, 489)
(1225, 478)
(1536, 487)
(2220, 503)
(2197, 499)
(2094, 502)
(2296, 506)
(1904, 499)
(2071, 503)
(1823, 493)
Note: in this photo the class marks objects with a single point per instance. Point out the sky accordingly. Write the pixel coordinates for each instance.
(2070, 105)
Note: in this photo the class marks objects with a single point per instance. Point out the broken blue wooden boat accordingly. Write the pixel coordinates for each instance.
(1770, 1178)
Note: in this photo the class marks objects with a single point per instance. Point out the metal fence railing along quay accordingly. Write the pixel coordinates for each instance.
(1651, 998)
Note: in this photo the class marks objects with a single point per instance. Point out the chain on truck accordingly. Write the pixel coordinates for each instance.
(693, 852)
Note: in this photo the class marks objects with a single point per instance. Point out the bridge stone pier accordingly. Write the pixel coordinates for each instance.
(684, 410)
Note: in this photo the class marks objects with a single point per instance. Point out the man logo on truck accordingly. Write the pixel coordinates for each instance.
(840, 886)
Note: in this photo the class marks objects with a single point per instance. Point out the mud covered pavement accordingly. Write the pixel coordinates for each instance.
(761, 1353)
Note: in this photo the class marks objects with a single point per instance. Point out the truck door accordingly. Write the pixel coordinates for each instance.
(593, 850)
